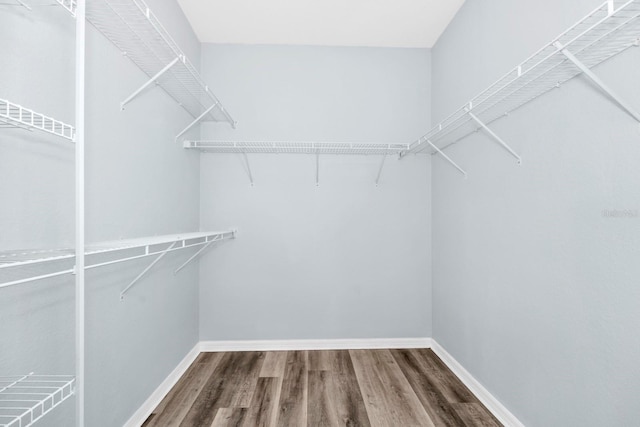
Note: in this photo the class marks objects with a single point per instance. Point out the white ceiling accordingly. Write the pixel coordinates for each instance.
(382, 23)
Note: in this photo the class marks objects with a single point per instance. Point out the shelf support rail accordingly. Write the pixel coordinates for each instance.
(149, 267)
(217, 238)
(197, 120)
(149, 82)
(598, 82)
(384, 157)
(493, 135)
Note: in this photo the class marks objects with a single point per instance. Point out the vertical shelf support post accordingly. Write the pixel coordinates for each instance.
(196, 121)
(384, 157)
(80, 212)
(494, 136)
(598, 82)
(148, 83)
(155, 261)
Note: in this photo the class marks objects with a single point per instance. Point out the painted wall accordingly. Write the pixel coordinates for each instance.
(139, 183)
(345, 259)
(534, 284)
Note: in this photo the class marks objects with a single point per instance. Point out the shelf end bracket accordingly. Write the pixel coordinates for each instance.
(598, 82)
(196, 121)
(384, 157)
(148, 83)
(447, 158)
(194, 256)
(155, 261)
(246, 161)
(494, 136)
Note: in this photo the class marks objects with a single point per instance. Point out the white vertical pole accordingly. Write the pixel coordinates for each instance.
(80, 212)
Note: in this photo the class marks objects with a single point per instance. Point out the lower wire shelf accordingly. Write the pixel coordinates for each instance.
(26, 399)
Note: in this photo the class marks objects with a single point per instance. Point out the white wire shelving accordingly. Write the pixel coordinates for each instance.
(18, 267)
(14, 115)
(135, 30)
(25, 399)
(69, 5)
(296, 147)
(604, 33)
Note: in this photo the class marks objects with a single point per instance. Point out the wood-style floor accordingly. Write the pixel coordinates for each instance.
(387, 388)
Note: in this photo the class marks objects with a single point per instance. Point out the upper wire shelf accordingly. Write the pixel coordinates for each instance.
(25, 399)
(17, 267)
(135, 30)
(14, 115)
(605, 32)
(296, 147)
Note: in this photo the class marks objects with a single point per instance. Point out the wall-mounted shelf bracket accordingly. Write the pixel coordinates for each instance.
(149, 82)
(202, 249)
(149, 267)
(447, 158)
(197, 120)
(598, 82)
(317, 170)
(246, 161)
(493, 135)
(380, 169)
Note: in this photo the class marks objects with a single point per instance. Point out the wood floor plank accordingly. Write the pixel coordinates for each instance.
(437, 406)
(175, 406)
(229, 417)
(292, 410)
(388, 396)
(273, 365)
(475, 414)
(439, 374)
(228, 384)
(263, 406)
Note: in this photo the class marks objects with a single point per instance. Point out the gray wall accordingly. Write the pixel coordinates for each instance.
(534, 289)
(139, 183)
(342, 260)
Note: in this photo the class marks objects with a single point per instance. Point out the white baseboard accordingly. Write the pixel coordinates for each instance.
(331, 344)
(141, 415)
(497, 409)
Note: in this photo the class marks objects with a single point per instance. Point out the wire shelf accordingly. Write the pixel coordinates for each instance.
(70, 5)
(26, 399)
(605, 32)
(296, 147)
(14, 115)
(17, 267)
(135, 30)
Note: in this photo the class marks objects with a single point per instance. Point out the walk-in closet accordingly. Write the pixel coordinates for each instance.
(340, 213)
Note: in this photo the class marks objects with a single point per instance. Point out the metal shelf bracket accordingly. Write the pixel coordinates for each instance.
(194, 256)
(494, 136)
(155, 261)
(149, 82)
(197, 120)
(384, 157)
(317, 170)
(246, 161)
(447, 158)
(598, 82)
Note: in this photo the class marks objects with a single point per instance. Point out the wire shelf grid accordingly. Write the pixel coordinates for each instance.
(14, 115)
(135, 30)
(296, 147)
(26, 399)
(17, 267)
(602, 34)
(70, 5)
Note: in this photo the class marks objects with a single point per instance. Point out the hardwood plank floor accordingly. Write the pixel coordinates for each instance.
(378, 388)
